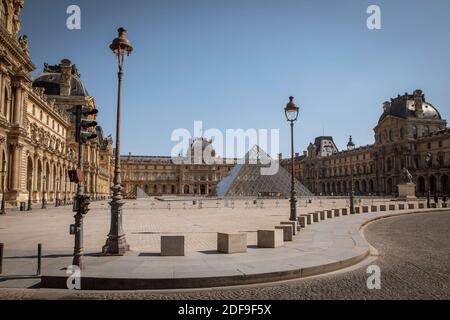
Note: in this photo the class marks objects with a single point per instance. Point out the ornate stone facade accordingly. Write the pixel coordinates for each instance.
(36, 130)
(409, 129)
(166, 176)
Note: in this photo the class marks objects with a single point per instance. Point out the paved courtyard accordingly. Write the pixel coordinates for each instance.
(145, 220)
(334, 242)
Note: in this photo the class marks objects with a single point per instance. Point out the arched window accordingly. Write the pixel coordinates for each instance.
(3, 14)
(414, 132)
(391, 135)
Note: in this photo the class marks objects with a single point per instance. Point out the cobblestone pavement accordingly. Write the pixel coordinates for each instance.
(413, 256)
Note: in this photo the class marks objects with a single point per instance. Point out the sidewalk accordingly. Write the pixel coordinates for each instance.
(320, 248)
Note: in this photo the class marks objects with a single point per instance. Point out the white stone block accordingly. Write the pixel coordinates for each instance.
(172, 246)
(270, 238)
(287, 231)
(232, 242)
(294, 225)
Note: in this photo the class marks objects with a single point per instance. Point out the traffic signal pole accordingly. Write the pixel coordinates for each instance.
(78, 249)
(81, 201)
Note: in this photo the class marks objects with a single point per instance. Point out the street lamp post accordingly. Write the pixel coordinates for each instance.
(65, 190)
(291, 112)
(116, 243)
(30, 181)
(429, 164)
(351, 147)
(56, 192)
(44, 187)
(3, 172)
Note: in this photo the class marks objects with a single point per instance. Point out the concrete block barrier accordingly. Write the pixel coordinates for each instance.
(294, 225)
(365, 209)
(303, 221)
(232, 242)
(316, 216)
(270, 238)
(172, 246)
(358, 210)
(337, 212)
(323, 215)
(344, 211)
(287, 232)
(374, 208)
(309, 217)
(382, 207)
(411, 206)
(391, 207)
(401, 206)
(329, 214)
(421, 205)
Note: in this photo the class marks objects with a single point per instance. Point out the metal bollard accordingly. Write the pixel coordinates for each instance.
(1, 257)
(39, 259)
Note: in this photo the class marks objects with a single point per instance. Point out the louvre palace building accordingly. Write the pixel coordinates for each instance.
(37, 144)
(164, 175)
(409, 129)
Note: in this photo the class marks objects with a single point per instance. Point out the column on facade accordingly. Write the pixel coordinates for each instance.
(18, 103)
(36, 177)
(15, 172)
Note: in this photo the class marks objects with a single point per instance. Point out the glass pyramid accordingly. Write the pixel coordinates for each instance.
(250, 178)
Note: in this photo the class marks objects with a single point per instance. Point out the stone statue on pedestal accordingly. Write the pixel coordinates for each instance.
(407, 188)
(406, 176)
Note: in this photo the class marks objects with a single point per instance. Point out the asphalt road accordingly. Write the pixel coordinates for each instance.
(414, 259)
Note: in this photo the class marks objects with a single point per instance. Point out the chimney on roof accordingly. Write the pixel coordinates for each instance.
(66, 77)
(418, 103)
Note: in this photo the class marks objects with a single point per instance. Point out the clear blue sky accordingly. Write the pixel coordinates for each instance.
(234, 63)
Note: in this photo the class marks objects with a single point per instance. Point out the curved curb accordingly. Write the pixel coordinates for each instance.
(98, 283)
(104, 283)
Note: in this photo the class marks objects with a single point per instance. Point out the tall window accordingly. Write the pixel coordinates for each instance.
(414, 131)
(2, 14)
(402, 133)
(5, 103)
